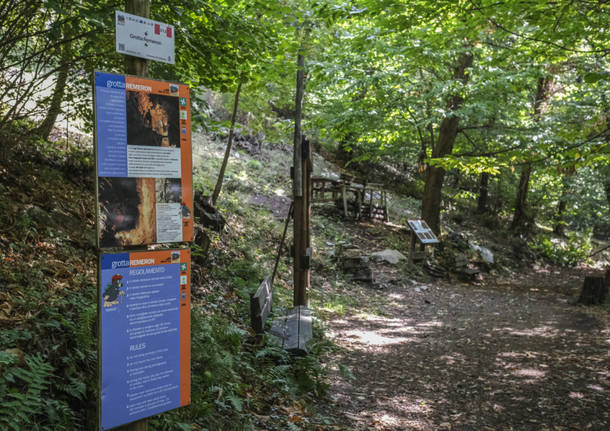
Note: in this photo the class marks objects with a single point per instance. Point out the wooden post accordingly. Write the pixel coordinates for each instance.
(134, 65)
(386, 211)
(139, 67)
(412, 248)
(344, 197)
(299, 196)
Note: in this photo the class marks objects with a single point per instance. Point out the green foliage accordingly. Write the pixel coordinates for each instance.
(24, 403)
(564, 253)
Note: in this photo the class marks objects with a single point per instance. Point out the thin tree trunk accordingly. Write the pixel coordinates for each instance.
(559, 227)
(559, 224)
(45, 128)
(431, 206)
(521, 217)
(225, 160)
(483, 193)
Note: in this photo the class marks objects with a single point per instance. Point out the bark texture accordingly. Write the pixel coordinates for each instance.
(431, 206)
(483, 193)
(44, 129)
(521, 217)
(225, 160)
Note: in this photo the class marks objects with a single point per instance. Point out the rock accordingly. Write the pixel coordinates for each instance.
(202, 243)
(485, 253)
(457, 240)
(209, 216)
(435, 270)
(389, 255)
(356, 266)
(461, 260)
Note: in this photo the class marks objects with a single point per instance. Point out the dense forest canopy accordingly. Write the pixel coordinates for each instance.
(490, 119)
(509, 100)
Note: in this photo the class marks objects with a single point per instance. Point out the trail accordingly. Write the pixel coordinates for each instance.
(513, 356)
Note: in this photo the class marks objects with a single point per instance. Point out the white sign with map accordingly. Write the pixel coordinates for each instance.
(423, 232)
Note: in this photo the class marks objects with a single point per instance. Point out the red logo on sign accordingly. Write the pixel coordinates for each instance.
(168, 32)
(157, 29)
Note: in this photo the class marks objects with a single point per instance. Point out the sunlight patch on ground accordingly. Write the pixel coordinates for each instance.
(403, 411)
(596, 388)
(388, 420)
(452, 359)
(431, 324)
(374, 338)
(541, 331)
(517, 354)
(531, 373)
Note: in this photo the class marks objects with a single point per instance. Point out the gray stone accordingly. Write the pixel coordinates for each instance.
(389, 255)
(485, 253)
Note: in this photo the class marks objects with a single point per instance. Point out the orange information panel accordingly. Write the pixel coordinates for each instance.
(144, 161)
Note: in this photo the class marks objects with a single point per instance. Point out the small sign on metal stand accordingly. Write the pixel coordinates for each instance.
(420, 232)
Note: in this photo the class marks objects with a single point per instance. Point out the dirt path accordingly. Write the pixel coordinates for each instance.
(515, 356)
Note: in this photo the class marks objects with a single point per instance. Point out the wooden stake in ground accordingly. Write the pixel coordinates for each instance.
(299, 192)
(139, 67)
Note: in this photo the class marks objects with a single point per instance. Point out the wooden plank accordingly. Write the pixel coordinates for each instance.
(260, 306)
(298, 330)
(344, 197)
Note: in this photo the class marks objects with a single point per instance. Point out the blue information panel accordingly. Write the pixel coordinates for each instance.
(145, 334)
(111, 124)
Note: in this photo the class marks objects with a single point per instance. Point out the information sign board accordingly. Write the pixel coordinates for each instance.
(423, 232)
(142, 37)
(144, 161)
(144, 310)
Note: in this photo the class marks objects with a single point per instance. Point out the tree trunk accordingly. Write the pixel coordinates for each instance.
(225, 160)
(521, 219)
(605, 170)
(558, 223)
(559, 227)
(431, 205)
(594, 291)
(45, 128)
(483, 193)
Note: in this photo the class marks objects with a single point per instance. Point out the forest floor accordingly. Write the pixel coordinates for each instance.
(514, 354)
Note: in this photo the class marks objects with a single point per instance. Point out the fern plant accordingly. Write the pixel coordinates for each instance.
(22, 396)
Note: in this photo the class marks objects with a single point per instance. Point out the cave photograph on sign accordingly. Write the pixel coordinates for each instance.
(127, 211)
(144, 161)
(152, 119)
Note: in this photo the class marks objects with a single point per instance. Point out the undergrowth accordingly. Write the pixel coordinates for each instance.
(569, 252)
(48, 341)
